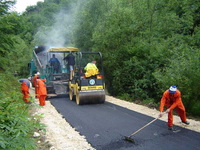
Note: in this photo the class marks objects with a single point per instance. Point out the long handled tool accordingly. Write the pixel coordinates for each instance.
(132, 140)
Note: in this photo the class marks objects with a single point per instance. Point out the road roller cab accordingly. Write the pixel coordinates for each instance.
(84, 88)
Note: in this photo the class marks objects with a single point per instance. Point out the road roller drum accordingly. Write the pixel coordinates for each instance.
(90, 97)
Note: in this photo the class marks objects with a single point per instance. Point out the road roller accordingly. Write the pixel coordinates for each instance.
(84, 88)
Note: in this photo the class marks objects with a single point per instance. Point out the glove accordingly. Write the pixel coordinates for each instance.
(160, 115)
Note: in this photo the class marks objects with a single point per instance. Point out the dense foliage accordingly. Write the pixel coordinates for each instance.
(147, 45)
(14, 51)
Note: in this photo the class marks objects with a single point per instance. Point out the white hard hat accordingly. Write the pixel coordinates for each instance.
(38, 73)
(29, 78)
(172, 89)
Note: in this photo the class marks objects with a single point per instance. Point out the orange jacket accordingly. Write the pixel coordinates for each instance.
(36, 81)
(24, 87)
(170, 102)
(42, 87)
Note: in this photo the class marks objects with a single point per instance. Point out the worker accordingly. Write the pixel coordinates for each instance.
(55, 63)
(71, 61)
(91, 69)
(42, 91)
(25, 89)
(15, 74)
(34, 82)
(172, 99)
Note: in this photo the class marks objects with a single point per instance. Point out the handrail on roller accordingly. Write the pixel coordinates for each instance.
(37, 62)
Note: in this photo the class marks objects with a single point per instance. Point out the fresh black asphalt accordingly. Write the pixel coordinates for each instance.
(105, 125)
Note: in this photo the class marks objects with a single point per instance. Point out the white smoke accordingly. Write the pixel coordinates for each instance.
(60, 33)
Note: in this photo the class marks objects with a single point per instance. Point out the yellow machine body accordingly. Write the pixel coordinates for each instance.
(87, 90)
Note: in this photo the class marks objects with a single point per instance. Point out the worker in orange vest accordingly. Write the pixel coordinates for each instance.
(34, 82)
(42, 91)
(25, 88)
(172, 99)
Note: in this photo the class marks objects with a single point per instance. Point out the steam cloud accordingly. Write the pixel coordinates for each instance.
(60, 33)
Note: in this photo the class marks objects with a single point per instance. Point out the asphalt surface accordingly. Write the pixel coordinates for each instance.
(105, 125)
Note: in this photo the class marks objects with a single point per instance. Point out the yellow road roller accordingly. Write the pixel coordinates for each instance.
(87, 86)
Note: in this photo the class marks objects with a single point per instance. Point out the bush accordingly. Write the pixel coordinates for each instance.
(125, 96)
(16, 125)
(196, 109)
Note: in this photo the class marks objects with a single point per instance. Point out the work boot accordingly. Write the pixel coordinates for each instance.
(170, 128)
(187, 122)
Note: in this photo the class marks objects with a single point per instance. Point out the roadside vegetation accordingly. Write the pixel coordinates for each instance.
(17, 126)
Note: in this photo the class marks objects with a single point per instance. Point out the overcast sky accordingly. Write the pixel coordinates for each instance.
(21, 5)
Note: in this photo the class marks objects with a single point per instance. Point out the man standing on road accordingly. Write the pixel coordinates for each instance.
(172, 99)
(25, 88)
(42, 91)
(34, 82)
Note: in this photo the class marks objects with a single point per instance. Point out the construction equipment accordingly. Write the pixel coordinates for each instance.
(128, 138)
(57, 79)
(87, 90)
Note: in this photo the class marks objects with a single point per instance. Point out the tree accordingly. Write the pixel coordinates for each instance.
(5, 30)
(5, 5)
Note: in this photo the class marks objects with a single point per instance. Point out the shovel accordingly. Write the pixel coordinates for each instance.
(128, 138)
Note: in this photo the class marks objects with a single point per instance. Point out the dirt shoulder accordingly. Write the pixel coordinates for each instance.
(61, 135)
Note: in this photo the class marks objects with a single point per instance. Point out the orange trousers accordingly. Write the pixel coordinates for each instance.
(26, 96)
(36, 92)
(181, 112)
(42, 100)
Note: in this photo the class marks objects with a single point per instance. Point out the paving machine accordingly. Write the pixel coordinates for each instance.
(87, 90)
(57, 79)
